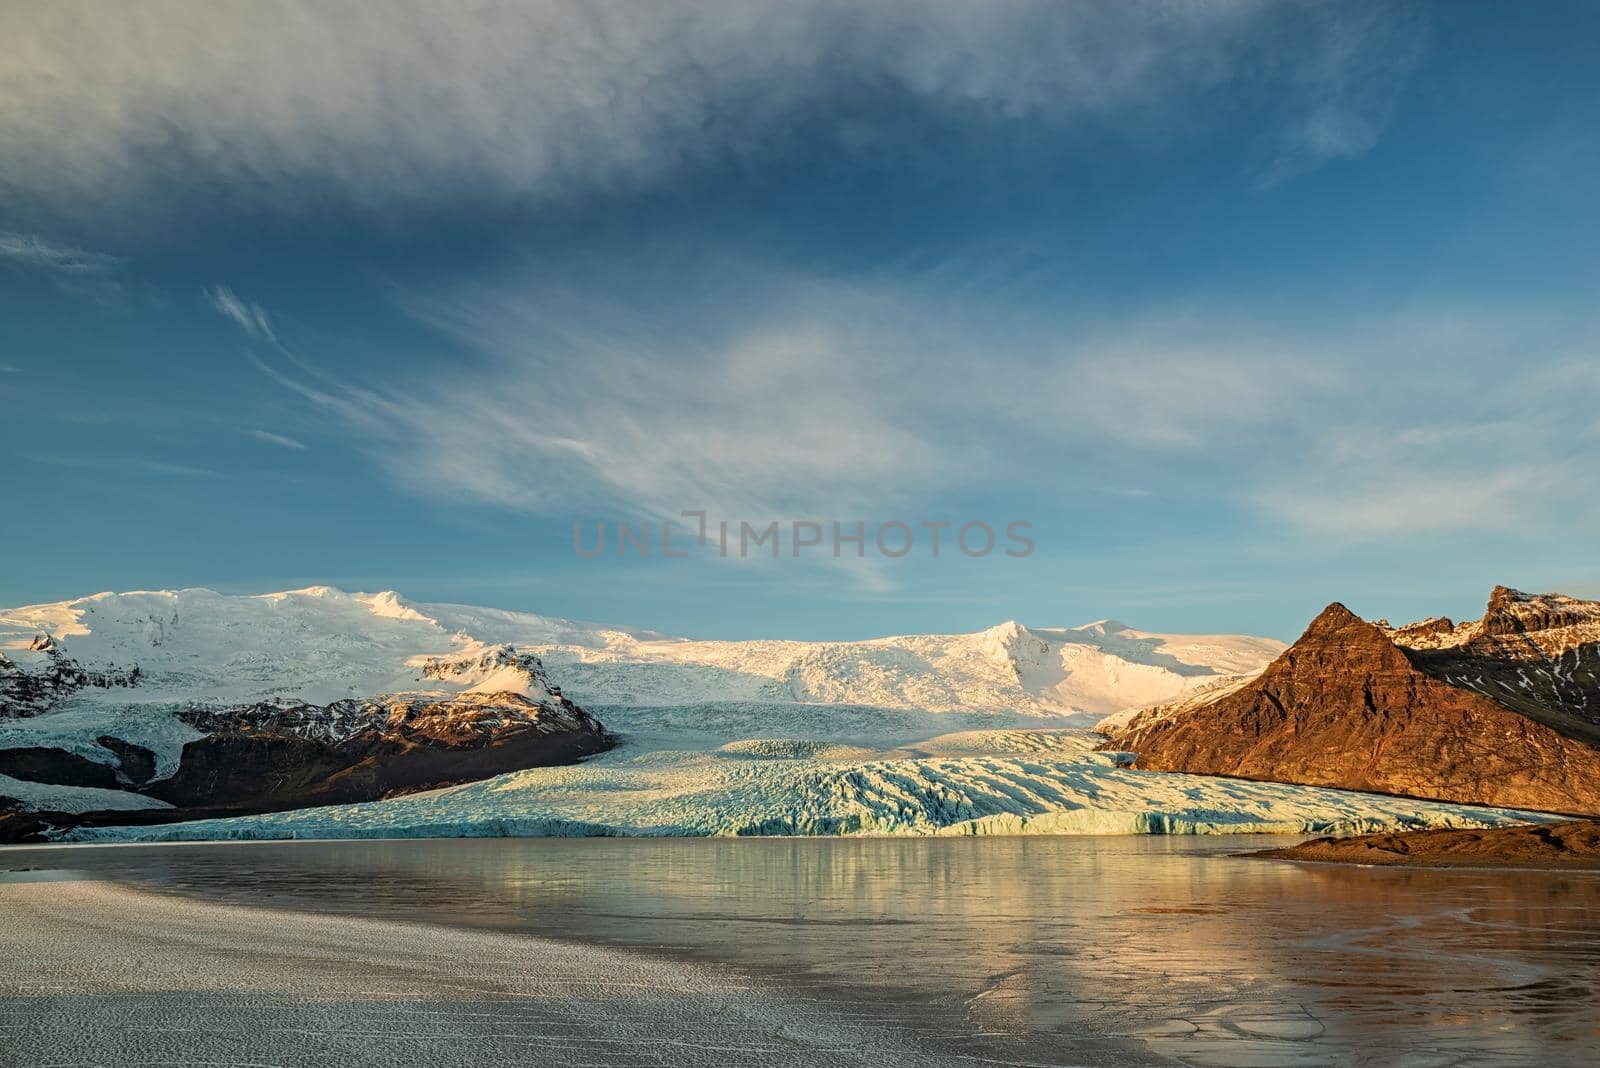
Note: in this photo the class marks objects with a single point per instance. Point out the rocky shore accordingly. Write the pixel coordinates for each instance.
(1574, 845)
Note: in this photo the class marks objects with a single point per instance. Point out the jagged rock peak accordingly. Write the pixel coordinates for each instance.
(496, 666)
(1433, 626)
(489, 659)
(1514, 612)
(1557, 621)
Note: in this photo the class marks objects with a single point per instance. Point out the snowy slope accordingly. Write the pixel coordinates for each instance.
(315, 645)
(1091, 670)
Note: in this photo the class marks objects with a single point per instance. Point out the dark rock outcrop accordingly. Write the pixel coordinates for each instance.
(136, 763)
(17, 826)
(37, 763)
(1500, 711)
(268, 756)
(1573, 845)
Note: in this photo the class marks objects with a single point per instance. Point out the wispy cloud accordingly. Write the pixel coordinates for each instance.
(1452, 434)
(879, 396)
(1391, 501)
(1341, 95)
(250, 318)
(68, 267)
(1158, 386)
(835, 398)
(32, 251)
(125, 464)
(282, 440)
(385, 105)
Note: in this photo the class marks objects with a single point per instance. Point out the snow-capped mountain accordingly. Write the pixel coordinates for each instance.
(204, 702)
(314, 645)
(321, 644)
(1093, 669)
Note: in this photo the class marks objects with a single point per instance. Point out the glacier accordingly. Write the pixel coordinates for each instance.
(57, 798)
(710, 770)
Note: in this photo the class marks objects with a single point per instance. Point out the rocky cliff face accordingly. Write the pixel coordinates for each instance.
(288, 756)
(55, 675)
(1504, 710)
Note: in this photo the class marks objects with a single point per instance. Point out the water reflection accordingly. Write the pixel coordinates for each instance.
(1201, 956)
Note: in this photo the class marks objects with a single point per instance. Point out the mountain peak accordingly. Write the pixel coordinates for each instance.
(312, 591)
(1105, 626)
(1333, 618)
(1501, 598)
(1337, 636)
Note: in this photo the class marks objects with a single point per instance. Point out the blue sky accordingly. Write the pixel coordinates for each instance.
(1244, 308)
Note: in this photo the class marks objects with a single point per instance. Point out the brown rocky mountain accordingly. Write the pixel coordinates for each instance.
(1503, 710)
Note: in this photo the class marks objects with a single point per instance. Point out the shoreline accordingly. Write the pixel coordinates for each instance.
(1556, 847)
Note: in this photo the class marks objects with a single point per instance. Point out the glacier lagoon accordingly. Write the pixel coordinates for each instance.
(1021, 950)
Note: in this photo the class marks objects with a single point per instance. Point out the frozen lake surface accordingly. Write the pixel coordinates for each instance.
(1068, 950)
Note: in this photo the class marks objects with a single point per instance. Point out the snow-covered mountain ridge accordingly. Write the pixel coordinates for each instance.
(322, 644)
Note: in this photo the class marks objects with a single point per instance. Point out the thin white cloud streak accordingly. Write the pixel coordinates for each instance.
(33, 252)
(1391, 501)
(125, 464)
(79, 271)
(291, 103)
(250, 318)
(1154, 386)
(281, 440)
